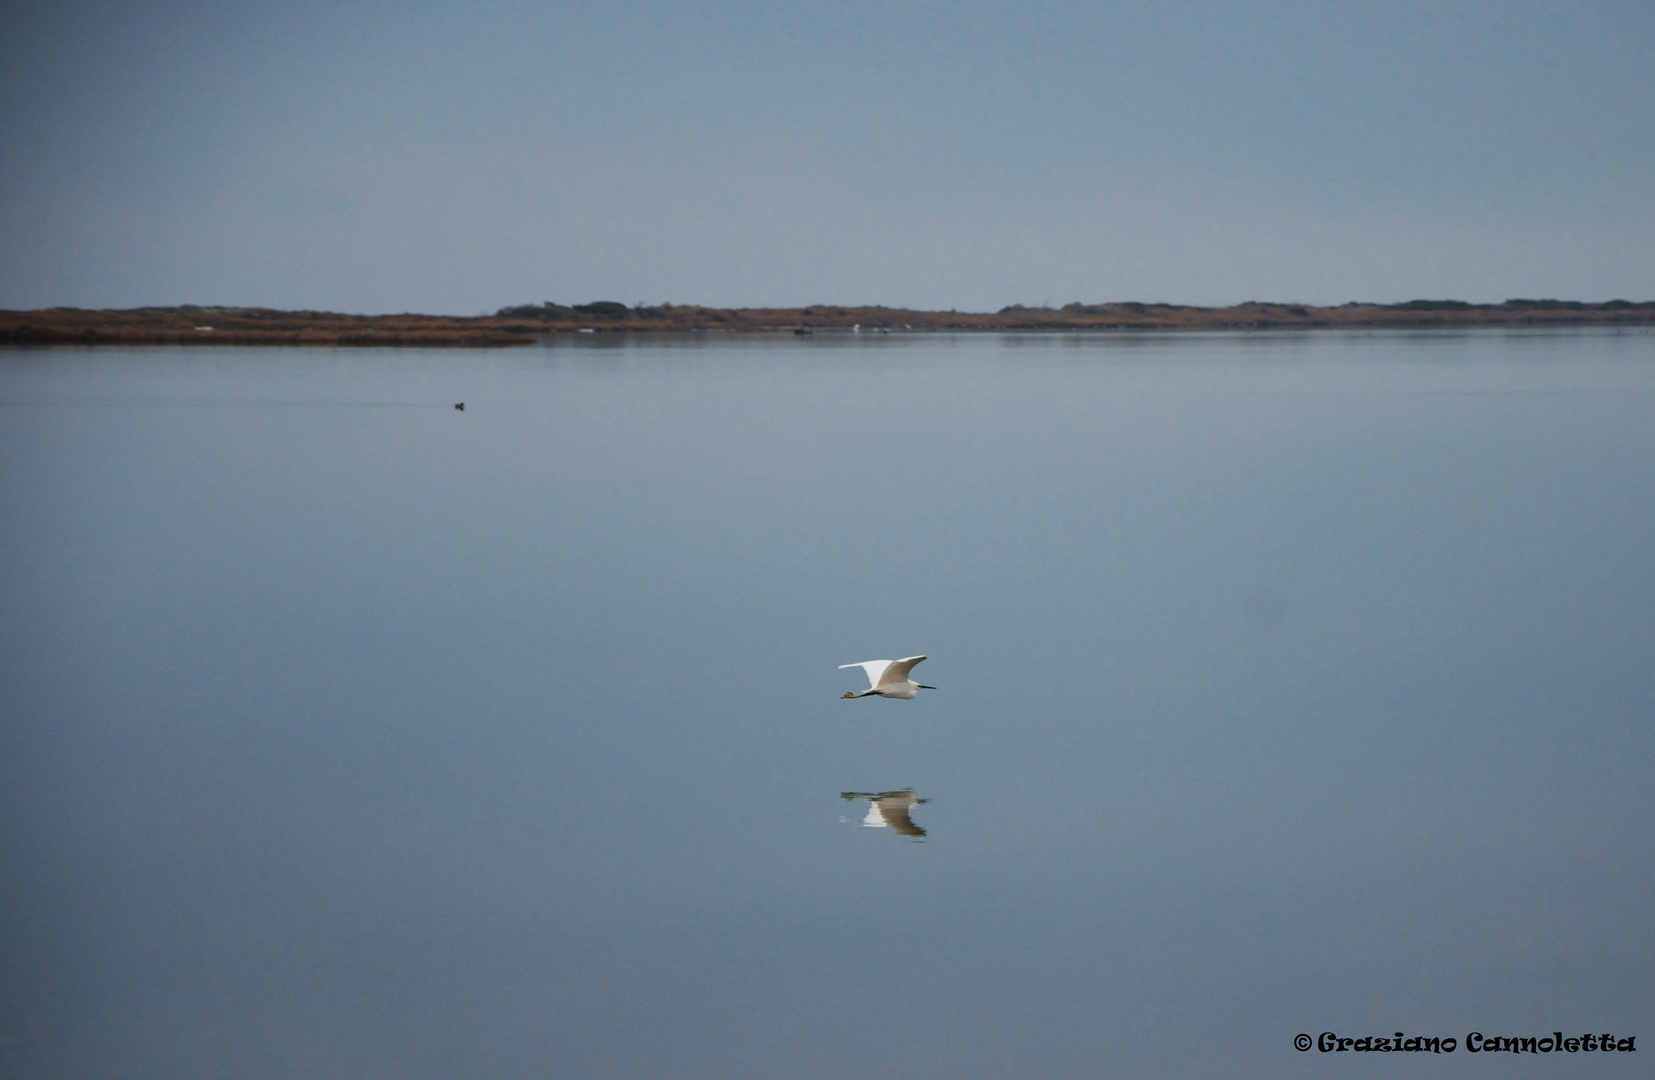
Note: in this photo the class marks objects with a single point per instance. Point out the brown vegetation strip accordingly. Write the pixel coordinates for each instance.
(526, 324)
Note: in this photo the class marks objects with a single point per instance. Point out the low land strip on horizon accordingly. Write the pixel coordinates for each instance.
(529, 323)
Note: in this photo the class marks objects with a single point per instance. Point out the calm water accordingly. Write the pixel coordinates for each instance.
(1287, 684)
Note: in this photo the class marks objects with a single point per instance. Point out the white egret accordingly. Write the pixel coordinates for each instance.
(889, 678)
(890, 810)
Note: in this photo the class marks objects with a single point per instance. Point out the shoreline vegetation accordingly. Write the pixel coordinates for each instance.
(527, 324)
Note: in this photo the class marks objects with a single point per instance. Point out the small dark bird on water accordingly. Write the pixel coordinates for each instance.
(460, 405)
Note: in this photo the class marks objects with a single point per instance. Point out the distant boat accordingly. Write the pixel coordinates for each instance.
(802, 331)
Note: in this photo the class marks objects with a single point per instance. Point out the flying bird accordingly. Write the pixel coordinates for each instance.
(889, 678)
(889, 809)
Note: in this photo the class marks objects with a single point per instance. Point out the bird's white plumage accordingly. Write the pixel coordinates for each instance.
(898, 670)
(890, 810)
(888, 678)
(874, 668)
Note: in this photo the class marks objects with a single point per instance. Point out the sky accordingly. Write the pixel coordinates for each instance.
(378, 157)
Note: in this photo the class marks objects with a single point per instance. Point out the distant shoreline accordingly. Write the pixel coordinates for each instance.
(531, 323)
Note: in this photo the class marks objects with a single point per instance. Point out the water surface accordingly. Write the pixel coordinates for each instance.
(1286, 683)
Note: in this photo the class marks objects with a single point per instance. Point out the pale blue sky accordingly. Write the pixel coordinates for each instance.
(388, 157)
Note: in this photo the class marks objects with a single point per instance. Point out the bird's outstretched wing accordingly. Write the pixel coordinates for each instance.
(874, 668)
(897, 670)
(894, 809)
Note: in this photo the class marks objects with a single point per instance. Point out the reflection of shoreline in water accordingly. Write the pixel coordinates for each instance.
(889, 809)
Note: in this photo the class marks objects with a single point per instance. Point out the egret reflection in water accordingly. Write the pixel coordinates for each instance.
(889, 809)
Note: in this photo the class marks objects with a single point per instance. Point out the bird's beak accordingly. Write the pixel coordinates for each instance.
(845, 695)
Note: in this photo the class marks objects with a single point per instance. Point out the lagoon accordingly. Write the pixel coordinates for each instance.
(1288, 683)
